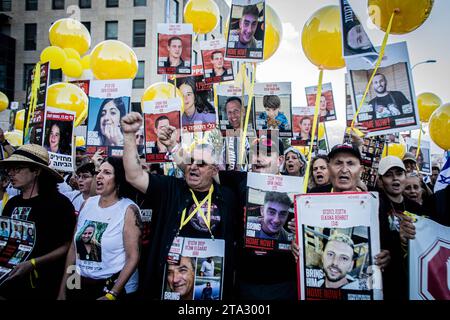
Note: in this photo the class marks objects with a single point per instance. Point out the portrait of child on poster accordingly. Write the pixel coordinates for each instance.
(200, 263)
(174, 48)
(273, 107)
(246, 30)
(424, 157)
(216, 68)
(160, 114)
(338, 236)
(58, 138)
(327, 110)
(109, 101)
(269, 208)
(390, 104)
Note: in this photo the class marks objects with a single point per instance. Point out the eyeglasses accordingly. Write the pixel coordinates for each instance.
(200, 163)
(15, 169)
(84, 176)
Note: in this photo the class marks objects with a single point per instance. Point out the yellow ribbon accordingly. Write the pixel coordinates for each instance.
(199, 209)
(380, 57)
(314, 128)
(247, 115)
(33, 101)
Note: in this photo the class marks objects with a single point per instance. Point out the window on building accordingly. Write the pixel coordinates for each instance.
(5, 5)
(31, 5)
(58, 4)
(112, 3)
(26, 71)
(87, 24)
(140, 3)
(139, 80)
(111, 30)
(139, 33)
(174, 8)
(84, 4)
(55, 76)
(30, 36)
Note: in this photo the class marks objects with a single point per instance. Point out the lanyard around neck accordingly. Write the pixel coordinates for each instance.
(207, 218)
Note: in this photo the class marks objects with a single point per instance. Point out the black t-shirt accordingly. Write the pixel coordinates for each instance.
(54, 218)
(391, 103)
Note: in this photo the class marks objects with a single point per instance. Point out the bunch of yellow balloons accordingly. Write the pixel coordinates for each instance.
(439, 126)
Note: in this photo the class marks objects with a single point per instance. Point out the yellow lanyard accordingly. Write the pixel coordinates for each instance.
(199, 209)
(5, 199)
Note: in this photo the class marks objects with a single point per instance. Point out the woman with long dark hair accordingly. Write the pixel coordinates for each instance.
(108, 122)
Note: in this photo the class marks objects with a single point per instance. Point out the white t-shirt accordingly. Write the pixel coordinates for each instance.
(102, 228)
(208, 268)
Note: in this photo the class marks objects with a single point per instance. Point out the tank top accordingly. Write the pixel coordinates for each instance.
(100, 251)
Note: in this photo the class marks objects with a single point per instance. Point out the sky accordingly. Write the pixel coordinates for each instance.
(289, 63)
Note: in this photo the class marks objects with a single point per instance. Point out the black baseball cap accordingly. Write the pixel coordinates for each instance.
(347, 148)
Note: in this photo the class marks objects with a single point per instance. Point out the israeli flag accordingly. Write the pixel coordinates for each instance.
(443, 179)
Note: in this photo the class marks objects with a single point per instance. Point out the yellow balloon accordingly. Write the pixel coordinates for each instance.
(162, 90)
(55, 55)
(273, 33)
(427, 102)
(72, 68)
(394, 149)
(202, 14)
(439, 126)
(86, 62)
(80, 141)
(20, 120)
(72, 54)
(410, 14)
(113, 59)
(303, 150)
(15, 138)
(4, 102)
(70, 33)
(321, 38)
(69, 97)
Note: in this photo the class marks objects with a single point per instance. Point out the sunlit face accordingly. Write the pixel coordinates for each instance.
(393, 181)
(180, 278)
(379, 84)
(188, 96)
(345, 170)
(247, 25)
(55, 137)
(105, 180)
(320, 172)
(337, 260)
(110, 116)
(217, 60)
(293, 164)
(413, 190)
(87, 234)
(233, 109)
(357, 38)
(274, 215)
(263, 163)
(201, 170)
(175, 49)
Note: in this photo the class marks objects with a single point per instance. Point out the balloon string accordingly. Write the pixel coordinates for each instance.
(33, 101)
(314, 128)
(247, 115)
(380, 58)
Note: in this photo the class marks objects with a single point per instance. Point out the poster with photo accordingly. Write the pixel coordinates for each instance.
(273, 107)
(302, 124)
(424, 156)
(201, 261)
(174, 48)
(58, 138)
(390, 105)
(216, 68)
(371, 152)
(338, 236)
(109, 101)
(349, 104)
(232, 105)
(159, 114)
(88, 243)
(17, 239)
(246, 30)
(269, 207)
(354, 38)
(327, 110)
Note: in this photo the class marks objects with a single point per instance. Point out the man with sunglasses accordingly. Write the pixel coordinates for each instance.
(177, 204)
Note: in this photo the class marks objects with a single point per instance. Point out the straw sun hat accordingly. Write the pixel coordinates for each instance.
(32, 154)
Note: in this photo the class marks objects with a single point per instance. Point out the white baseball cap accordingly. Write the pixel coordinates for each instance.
(388, 163)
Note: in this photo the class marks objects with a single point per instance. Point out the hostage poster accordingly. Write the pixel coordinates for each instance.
(268, 210)
(201, 263)
(216, 68)
(423, 158)
(338, 237)
(327, 110)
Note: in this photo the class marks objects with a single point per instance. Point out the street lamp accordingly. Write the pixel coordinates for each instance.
(423, 62)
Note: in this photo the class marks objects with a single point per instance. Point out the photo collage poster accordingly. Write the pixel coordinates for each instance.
(269, 208)
(59, 138)
(174, 48)
(338, 237)
(109, 101)
(246, 30)
(216, 68)
(158, 114)
(202, 263)
(327, 109)
(424, 156)
(17, 239)
(390, 105)
(273, 107)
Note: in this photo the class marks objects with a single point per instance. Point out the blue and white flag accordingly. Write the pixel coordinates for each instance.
(443, 179)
